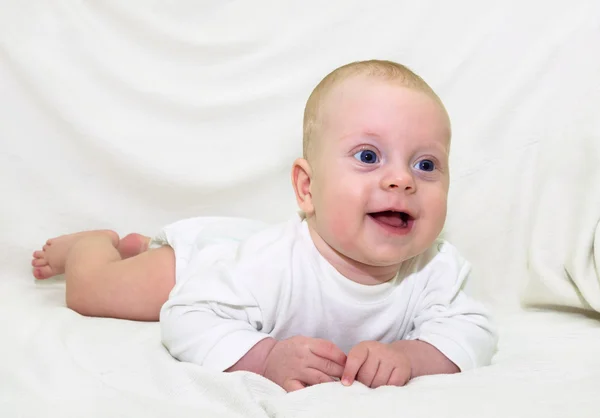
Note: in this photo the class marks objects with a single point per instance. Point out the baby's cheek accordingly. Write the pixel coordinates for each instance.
(340, 229)
(338, 223)
(340, 207)
(438, 213)
(442, 205)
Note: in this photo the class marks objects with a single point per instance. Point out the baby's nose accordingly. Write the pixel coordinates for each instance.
(399, 180)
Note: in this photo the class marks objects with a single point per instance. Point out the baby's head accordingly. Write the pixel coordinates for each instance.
(374, 179)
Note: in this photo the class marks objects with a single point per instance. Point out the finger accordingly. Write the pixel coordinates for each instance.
(399, 377)
(310, 376)
(328, 350)
(328, 367)
(293, 385)
(382, 376)
(368, 370)
(356, 357)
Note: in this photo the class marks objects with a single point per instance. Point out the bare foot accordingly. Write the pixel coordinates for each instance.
(132, 245)
(50, 260)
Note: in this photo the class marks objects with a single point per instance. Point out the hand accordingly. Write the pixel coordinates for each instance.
(298, 362)
(376, 364)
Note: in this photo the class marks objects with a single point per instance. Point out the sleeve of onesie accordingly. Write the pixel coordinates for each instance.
(213, 316)
(461, 328)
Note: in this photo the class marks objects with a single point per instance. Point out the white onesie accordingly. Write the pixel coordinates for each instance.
(240, 281)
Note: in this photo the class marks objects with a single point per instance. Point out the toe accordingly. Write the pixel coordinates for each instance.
(38, 254)
(41, 273)
(39, 262)
(45, 247)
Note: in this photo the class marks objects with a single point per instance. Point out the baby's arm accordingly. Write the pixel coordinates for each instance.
(255, 359)
(425, 359)
(447, 319)
(451, 333)
(219, 316)
(210, 318)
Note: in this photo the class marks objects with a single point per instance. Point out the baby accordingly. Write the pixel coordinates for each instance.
(357, 287)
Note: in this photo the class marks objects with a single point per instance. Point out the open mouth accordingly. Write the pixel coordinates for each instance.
(392, 220)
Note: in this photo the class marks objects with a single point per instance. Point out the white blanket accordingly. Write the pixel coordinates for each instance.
(130, 115)
(564, 253)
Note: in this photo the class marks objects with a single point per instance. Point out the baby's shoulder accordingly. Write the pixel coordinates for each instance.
(272, 244)
(231, 248)
(440, 259)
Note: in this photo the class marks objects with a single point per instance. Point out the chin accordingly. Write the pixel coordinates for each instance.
(386, 260)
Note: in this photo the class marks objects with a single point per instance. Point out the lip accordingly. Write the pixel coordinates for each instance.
(394, 230)
(404, 209)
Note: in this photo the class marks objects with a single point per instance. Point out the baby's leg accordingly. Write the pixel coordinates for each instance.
(109, 277)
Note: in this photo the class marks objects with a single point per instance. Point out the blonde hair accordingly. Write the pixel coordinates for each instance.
(385, 70)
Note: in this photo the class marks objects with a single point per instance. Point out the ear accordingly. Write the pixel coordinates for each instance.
(301, 178)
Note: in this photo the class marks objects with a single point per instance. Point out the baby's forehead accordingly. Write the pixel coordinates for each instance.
(354, 88)
(363, 92)
(375, 107)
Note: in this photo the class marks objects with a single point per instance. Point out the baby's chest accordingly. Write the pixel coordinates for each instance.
(343, 322)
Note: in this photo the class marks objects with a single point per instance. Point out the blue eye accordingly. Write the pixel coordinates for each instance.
(366, 156)
(425, 165)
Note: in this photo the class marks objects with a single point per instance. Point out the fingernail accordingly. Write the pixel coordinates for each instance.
(345, 382)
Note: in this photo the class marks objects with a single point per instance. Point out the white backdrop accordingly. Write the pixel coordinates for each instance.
(130, 115)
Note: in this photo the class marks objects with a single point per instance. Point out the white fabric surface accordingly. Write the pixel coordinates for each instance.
(130, 116)
(564, 253)
(236, 291)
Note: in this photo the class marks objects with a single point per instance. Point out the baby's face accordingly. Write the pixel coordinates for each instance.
(380, 171)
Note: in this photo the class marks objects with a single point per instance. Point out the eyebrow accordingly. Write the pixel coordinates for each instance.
(440, 147)
(372, 134)
(361, 134)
